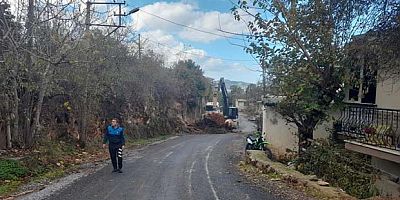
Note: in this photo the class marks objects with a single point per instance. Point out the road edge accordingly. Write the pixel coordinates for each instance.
(84, 170)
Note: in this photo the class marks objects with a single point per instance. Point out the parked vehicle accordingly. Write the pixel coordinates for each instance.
(257, 142)
(252, 118)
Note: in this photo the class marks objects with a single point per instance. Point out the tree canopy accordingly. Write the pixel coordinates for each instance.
(302, 45)
(60, 79)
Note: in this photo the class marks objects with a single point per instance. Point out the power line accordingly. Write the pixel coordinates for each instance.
(233, 33)
(196, 29)
(207, 32)
(215, 57)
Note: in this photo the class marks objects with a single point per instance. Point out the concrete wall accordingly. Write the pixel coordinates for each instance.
(386, 166)
(283, 136)
(278, 133)
(323, 130)
(390, 172)
(240, 103)
(388, 94)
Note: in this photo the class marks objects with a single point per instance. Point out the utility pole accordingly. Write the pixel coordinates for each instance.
(87, 20)
(264, 98)
(2, 27)
(83, 118)
(264, 79)
(28, 109)
(85, 102)
(119, 14)
(140, 48)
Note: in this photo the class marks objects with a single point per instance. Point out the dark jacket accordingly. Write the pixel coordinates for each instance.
(114, 136)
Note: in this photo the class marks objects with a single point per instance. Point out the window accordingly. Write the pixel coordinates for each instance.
(367, 85)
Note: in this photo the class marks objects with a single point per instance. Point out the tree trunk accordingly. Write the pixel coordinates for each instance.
(84, 118)
(8, 122)
(28, 62)
(43, 88)
(29, 33)
(305, 135)
(28, 123)
(16, 136)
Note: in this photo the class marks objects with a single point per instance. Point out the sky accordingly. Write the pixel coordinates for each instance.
(187, 29)
(216, 52)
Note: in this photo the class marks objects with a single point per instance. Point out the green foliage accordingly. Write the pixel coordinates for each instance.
(340, 167)
(301, 46)
(39, 165)
(254, 92)
(79, 79)
(7, 188)
(11, 170)
(191, 82)
(36, 166)
(236, 93)
(53, 174)
(55, 149)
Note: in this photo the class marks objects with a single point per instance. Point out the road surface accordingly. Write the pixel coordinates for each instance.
(187, 167)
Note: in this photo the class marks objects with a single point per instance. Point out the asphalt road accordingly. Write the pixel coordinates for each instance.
(187, 167)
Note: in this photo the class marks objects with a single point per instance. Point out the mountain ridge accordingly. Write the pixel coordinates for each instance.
(229, 83)
(241, 84)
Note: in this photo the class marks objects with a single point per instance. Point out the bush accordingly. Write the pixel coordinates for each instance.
(11, 170)
(342, 168)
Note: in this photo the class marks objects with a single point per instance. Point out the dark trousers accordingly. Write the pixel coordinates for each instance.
(116, 154)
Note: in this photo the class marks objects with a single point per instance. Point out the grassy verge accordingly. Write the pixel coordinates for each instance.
(278, 181)
(345, 169)
(51, 160)
(7, 187)
(284, 184)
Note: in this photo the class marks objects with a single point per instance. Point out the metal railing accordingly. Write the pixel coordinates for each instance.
(370, 125)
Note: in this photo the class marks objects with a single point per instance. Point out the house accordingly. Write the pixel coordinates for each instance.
(369, 123)
(241, 104)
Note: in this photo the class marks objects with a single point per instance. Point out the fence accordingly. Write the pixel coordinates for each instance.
(370, 125)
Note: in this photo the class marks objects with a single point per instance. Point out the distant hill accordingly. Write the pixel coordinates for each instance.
(229, 83)
(241, 84)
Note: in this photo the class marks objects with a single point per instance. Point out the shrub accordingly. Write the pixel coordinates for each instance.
(11, 170)
(342, 168)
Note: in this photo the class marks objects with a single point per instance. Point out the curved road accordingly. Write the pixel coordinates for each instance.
(187, 167)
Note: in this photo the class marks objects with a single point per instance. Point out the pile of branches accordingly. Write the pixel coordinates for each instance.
(213, 123)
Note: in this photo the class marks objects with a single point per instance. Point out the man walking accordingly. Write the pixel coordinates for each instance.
(114, 135)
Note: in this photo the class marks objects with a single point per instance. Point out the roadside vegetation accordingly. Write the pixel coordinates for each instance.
(302, 47)
(62, 82)
(309, 52)
(51, 160)
(340, 167)
(69, 81)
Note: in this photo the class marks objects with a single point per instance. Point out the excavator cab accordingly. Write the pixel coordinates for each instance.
(232, 121)
(233, 113)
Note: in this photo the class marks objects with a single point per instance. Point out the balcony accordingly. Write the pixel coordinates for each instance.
(368, 125)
